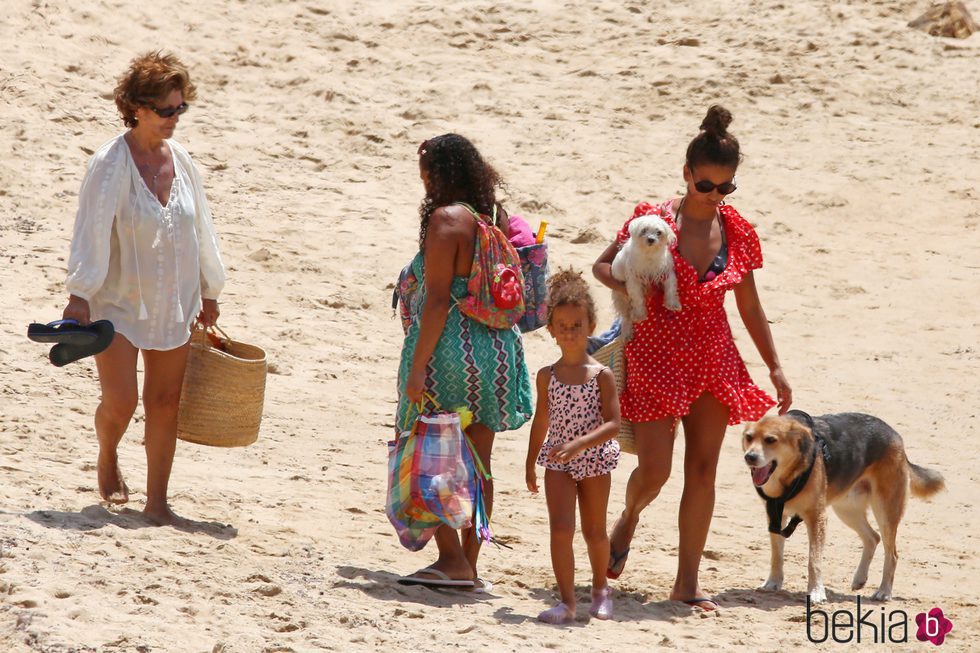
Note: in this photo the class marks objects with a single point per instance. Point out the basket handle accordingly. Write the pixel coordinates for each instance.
(211, 337)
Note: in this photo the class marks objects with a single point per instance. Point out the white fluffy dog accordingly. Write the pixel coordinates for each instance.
(645, 259)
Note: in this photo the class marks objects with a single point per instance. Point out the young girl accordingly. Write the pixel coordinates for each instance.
(577, 408)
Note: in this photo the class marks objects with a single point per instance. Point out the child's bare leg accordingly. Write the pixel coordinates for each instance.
(117, 379)
(482, 439)
(593, 499)
(163, 376)
(560, 492)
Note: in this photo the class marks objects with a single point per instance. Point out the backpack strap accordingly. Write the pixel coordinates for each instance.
(478, 215)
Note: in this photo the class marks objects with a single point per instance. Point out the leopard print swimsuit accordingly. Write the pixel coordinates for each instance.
(573, 411)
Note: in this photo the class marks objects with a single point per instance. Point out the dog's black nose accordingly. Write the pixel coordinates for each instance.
(751, 457)
(651, 239)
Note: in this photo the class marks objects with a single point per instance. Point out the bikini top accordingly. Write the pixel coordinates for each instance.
(720, 262)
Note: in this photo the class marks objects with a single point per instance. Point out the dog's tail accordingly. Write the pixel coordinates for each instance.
(925, 482)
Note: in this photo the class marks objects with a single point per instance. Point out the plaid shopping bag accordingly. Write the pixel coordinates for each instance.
(431, 479)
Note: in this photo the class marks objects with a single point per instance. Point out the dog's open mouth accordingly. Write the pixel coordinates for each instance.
(761, 474)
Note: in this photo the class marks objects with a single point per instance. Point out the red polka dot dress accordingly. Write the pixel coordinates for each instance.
(675, 357)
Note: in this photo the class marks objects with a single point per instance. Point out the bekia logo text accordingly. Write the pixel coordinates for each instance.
(872, 625)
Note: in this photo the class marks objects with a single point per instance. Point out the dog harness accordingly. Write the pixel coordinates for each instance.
(775, 506)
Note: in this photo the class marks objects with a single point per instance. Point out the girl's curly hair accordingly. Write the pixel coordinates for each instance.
(456, 173)
(149, 78)
(568, 288)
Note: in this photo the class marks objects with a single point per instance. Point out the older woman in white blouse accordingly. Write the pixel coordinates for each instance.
(144, 256)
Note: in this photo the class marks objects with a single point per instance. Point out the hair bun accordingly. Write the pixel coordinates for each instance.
(716, 122)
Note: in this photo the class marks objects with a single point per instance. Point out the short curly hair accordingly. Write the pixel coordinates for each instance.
(569, 288)
(151, 76)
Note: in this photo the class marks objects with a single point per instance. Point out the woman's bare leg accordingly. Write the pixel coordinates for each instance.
(654, 447)
(117, 378)
(163, 377)
(482, 439)
(704, 430)
(458, 559)
(452, 561)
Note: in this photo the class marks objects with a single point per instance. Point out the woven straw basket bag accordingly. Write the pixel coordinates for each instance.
(223, 392)
(612, 356)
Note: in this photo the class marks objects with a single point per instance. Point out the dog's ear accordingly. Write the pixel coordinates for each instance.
(671, 236)
(635, 226)
(799, 436)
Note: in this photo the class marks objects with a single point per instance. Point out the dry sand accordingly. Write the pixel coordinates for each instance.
(861, 176)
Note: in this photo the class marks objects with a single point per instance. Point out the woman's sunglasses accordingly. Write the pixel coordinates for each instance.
(169, 112)
(705, 186)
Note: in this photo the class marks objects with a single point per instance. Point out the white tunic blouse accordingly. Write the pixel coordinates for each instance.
(140, 265)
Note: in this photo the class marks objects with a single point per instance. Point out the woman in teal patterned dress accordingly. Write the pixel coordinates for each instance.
(453, 358)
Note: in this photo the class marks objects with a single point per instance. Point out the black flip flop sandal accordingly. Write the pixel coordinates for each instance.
(68, 332)
(64, 353)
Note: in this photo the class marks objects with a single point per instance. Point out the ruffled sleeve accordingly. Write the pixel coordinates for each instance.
(744, 238)
(212, 269)
(98, 201)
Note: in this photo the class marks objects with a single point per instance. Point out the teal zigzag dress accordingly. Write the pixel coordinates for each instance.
(473, 365)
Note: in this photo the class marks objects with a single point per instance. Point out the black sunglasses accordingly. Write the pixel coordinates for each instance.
(705, 186)
(169, 112)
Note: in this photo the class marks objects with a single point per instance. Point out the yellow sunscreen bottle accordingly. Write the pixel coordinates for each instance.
(540, 237)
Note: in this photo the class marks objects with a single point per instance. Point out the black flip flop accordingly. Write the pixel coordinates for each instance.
(64, 353)
(694, 603)
(435, 579)
(615, 559)
(69, 332)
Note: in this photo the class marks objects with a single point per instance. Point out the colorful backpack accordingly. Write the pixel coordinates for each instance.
(496, 283)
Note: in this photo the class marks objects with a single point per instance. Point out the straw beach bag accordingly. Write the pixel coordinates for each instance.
(223, 391)
(613, 357)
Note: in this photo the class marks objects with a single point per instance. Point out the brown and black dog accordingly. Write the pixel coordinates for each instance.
(849, 461)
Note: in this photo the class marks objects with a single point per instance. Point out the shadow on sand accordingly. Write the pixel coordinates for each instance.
(768, 601)
(96, 516)
(384, 585)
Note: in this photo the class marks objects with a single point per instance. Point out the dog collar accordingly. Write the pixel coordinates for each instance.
(776, 505)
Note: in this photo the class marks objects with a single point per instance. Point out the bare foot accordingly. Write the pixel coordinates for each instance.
(462, 571)
(112, 487)
(622, 533)
(162, 516)
(619, 545)
(698, 600)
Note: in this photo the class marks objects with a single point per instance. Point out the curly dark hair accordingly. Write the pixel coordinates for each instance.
(456, 173)
(714, 144)
(568, 288)
(151, 76)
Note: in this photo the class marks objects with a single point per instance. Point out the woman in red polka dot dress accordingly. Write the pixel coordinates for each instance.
(684, 365)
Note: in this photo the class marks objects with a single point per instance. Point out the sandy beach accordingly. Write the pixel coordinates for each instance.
(861, 173)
